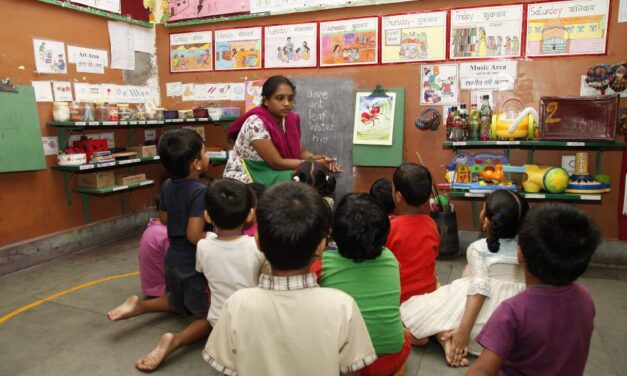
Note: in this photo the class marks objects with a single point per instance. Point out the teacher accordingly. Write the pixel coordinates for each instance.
(266, 139)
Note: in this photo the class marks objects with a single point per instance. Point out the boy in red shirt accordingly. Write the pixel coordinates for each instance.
(414, 237)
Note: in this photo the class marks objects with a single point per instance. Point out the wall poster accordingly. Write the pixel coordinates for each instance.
(183, 10)
(439, 84)
(563, 28)
(374, 119)
(191, 52)
(487, 32)
(413, 37)
(238, 48)
(349, 42)
(291, 46)
(50, 56)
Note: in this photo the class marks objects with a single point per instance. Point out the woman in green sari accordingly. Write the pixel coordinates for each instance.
(266, 139)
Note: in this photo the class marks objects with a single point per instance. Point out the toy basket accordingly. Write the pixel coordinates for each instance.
(505, 118)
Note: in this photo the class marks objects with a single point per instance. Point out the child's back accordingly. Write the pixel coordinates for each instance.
(413, 237)
(153, 246)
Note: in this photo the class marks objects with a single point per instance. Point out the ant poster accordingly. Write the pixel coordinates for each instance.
(190, 52)
(291, 46)
(238, 49)
(439, 84)
(374, 119)
(349, 42)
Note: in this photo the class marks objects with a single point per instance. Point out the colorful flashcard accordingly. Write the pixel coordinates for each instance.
(238, 91)
(291, 46)
(187, 92)
(439, 84)
(238, 48)
(563, 28)
(374, 119)
(486, 32)
(253, 93)
(413, 37)
(349, 42)
(191, 52)
(62, 91)
(50, 56)
(183, 10)
(173, 89)
(43, 92)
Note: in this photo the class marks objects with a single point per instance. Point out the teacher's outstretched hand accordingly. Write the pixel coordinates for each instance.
(266, 139)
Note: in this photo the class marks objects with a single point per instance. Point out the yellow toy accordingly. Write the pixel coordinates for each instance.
(512, 124)
(550, 179)
(493, 176)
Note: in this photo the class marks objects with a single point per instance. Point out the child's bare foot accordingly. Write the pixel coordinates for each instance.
(153, 359)
(416, 341)
(128, 309)
(447, 346)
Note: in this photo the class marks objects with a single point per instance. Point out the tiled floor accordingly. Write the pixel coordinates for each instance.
(70, 334)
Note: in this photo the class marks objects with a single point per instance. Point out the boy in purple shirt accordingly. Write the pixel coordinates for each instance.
(546, 329)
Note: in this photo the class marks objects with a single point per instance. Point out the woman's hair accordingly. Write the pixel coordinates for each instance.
(272, 83)
(506, 211)
(360, 227)
(313, 174)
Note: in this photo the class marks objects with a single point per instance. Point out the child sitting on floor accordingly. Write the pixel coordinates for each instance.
(455, 313)
(414, 237)
(364, 269)
(181, 209)
(153, 246)
(312, 173)
(381, 189)
(229, 259)
(258, 189)
(288, 325)
(546, 329)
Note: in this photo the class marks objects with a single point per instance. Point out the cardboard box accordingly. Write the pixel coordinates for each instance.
(100, 179)
(578, 118)
(129, 179)
(144, 150)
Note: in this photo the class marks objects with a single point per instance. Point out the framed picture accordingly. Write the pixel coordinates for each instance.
(191, 52)
(374, 119)
(291, 46)
(493, 32)
(190, 9)
(49, 56)
(237, 49)
(413, 37)
(439, 84)
(567, 28)
(349, 42)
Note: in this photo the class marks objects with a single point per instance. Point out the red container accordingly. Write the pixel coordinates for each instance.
(90, 146)
(201, 112)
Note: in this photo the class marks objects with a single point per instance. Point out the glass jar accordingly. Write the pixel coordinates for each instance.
(76, 111)
(60, 111)
(101, 113)
(123, 112)
(88, 111)
(112, 111)
(159, 113)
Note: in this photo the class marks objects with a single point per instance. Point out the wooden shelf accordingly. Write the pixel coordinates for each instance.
(98, 166)
(115, 188)
(81, 125)
(535, 196)
(536, 144)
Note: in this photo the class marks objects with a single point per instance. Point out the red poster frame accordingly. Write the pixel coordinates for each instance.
(378, 48)
(261, 55)
(195, 70)
(317, 23)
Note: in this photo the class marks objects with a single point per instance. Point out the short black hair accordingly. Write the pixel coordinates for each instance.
(506, 211)
(292, 219)
(258, 189)
(177, 149)
(360, 227)
(413, 182)
(228, 202)
(273, 83)
(558, 241)
(312, 173)
(381, 189)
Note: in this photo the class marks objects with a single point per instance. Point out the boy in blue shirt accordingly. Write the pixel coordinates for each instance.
(182, 210)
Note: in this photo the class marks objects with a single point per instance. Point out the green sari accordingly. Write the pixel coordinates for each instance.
(261, 172)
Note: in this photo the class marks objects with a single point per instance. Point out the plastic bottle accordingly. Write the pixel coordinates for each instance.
(449, 121)
(463, 114)
(485, 119)
(474, 125)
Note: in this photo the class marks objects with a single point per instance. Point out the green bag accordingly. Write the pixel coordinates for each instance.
(261, 172)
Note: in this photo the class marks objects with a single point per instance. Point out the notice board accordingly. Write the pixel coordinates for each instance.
(20, 133)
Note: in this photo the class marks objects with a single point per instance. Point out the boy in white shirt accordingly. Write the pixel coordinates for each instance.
(229, 259)
(288, 325)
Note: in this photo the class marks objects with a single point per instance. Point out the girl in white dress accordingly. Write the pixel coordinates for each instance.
(455, 313)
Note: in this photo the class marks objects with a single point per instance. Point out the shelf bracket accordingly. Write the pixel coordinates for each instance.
(475, 215)
(67, 177)
(86, 212)
(597, 160)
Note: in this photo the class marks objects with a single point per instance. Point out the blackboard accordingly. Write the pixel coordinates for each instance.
(325, 107)
(20, 133)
